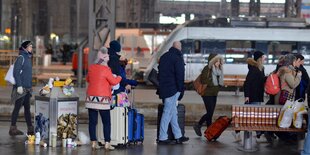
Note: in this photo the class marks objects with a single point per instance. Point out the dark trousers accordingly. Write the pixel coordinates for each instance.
(23, 101)
(93, 120)
(210, 102)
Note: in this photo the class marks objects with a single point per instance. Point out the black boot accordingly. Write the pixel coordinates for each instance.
(197, 129)
(14, 131)
(30, 130)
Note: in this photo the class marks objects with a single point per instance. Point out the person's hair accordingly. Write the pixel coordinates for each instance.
(299, 56)
(289, 59)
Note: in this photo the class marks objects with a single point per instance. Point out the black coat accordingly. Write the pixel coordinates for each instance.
(303, 85)
(115, 66)
(255, 82)
(171, 73)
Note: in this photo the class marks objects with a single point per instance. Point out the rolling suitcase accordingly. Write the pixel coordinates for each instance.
(181, 120)
(216, 128)
(119, 127)
(135, 124)
(139, 133)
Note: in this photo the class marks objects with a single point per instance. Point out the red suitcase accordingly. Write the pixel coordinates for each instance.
(215, 129)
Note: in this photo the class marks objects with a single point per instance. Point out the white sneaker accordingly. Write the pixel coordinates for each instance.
(108, 146)
(237, 136)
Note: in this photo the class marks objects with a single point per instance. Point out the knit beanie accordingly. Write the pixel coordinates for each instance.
(257, 55)
(115, 46)
(25, 44)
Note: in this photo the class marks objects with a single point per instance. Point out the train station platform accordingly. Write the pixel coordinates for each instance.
(145, 100)
(225, 145)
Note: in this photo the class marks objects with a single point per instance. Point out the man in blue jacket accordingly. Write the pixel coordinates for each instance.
(171, 86)
(22, 90)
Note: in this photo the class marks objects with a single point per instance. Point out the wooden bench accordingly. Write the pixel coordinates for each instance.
(249, 118)
(234, 80)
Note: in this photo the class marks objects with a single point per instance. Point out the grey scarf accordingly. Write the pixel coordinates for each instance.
(217, 76)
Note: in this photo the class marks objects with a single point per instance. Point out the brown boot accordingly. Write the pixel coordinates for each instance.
(30, 130)
(14, 131)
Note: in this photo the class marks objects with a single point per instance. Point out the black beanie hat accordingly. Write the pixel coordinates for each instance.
(115, 46)
(258, 54)
(25, 44)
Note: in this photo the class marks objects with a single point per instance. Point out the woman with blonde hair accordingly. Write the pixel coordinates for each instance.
(98, 98)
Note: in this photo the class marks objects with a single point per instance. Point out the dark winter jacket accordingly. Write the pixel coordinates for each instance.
(126, 81)
(23, 69)
(207, 77)
(254, 82)
(303, 85)
(114, 62)
(171, 73)
(114, 65)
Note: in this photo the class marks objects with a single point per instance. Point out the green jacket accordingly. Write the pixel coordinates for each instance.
(206, 77)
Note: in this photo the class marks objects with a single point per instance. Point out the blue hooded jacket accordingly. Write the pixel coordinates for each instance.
(23, 63)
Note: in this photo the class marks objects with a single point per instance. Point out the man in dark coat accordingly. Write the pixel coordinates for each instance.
(171, 86)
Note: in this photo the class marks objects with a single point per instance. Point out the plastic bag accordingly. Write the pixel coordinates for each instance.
(286, 120)
(299, 109)
(287, 104)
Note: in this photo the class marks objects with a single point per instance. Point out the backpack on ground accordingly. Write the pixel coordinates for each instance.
(272, 85)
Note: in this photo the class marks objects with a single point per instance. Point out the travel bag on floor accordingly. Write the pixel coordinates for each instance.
(135, 124)
(216, 128)
(119, 127)
(181, 120)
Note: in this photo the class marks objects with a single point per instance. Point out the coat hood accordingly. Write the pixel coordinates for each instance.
(213, 58)
(252, 63)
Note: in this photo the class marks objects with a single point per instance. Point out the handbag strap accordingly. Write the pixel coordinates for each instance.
(209, 70)
(22, 57)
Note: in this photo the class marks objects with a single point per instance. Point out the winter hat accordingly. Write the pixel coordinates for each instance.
(257, 55)
(25, 44)
(115, 46)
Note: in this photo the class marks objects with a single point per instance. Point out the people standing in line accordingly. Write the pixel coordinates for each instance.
(22, 90)
(289, 78)
(303, 85)
(114, 63)
(100, 81)
(212, 75)
(171, 87)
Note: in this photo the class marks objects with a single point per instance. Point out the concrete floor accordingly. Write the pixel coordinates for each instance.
(225, 145)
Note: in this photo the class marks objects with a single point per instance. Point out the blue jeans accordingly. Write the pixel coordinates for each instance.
(170, 115)
(93, 120)
(306, 150)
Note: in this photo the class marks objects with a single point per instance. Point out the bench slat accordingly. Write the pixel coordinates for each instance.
(258, 118)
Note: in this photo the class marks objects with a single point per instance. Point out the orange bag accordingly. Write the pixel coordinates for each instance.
(272, 85)
(215, 129)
